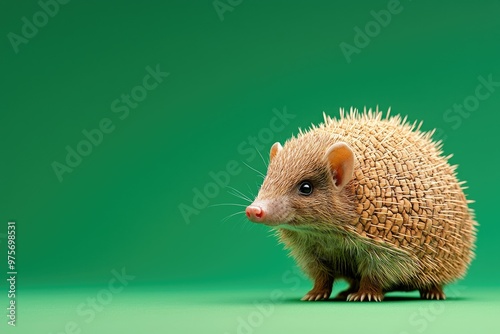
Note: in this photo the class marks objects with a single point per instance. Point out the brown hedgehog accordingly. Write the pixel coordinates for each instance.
(371, 200)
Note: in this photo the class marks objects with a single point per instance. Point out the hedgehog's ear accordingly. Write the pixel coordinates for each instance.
(275, 149)
(341, 162)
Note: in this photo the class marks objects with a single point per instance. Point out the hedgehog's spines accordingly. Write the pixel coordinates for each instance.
(326, 119)
(403, 122)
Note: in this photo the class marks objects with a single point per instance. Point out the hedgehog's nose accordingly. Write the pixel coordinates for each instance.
(255, 213)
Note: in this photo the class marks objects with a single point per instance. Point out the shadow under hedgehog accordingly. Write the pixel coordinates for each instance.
(371, 200)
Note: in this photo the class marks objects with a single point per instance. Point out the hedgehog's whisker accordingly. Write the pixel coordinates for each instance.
(264, 161)
(228, 204)
(232, 215)
(239, 221)
(250, 191)
(239, 194)
(255, 170)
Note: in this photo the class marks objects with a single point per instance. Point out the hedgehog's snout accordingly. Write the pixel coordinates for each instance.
(271, 212)
(255, 213)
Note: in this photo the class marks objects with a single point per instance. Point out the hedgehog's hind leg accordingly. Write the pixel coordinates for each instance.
(433, 292)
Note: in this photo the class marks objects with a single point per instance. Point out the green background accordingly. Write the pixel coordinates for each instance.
(119, 208)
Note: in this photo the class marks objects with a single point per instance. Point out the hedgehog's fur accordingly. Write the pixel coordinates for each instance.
(401, 223)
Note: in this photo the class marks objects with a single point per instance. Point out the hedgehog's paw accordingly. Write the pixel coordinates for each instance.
(435, 292)
(365, 295)
(315, 295)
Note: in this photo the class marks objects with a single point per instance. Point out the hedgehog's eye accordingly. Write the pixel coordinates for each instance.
(305, 188)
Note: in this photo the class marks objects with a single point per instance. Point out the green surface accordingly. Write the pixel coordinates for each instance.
(161, 310)
(121, 205)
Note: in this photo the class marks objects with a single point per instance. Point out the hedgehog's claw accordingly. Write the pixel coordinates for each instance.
(362, 296)
(343, 294)
(435, 292)
(316, 295)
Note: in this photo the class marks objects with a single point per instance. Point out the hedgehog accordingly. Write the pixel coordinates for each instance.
(369, 199)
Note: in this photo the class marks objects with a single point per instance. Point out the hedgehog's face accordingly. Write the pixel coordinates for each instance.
(304, 183)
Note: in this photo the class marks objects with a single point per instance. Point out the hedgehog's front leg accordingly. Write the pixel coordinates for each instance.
(323, 283)
(368, 290)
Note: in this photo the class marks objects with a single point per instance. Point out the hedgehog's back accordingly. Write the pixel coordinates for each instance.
(407, 194)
